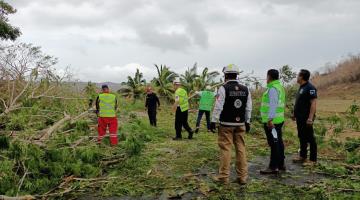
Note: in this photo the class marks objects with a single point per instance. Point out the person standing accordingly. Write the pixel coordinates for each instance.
(151, 104)
(304, 114)
(106, 106)
(233, 112)
(181, 108)
(207, 99)
(272, 116)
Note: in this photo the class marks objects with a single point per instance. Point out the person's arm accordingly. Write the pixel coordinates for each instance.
(219, 105)
(274, 101)
(146, 102)
(97, 104)
(157, 100)
(312, 111)
(176, 103)
(313, 97)
(116, 103)
(248, 108)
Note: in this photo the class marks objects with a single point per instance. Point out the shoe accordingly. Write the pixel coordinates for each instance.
(177, 138)
(224, 181)
(240, 181)
(269, 171)
(309, 163)
(299, 160)
(190, 137)
(196, 130)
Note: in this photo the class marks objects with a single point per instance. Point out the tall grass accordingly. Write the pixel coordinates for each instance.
(346, 71)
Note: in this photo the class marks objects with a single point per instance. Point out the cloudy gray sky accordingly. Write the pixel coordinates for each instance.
(107, 40)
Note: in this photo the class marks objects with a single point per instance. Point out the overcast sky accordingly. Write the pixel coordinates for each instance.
(107, 40)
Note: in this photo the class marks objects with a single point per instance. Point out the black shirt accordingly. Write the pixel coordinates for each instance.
(306, 93)
(152, 101)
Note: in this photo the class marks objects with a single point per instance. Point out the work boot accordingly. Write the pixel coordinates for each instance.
(197, 130)
(177, 138)
(299, 160)
(269, 171)
(309, 163)
(220, 180)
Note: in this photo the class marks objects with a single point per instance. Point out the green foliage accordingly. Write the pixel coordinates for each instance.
(4, 142)
(137, 84)
(286, 74)
(133, 145)
(8, 177)
(352, 144)
(163, 81)
(82, 126)
(332, 169)
(7, 31)
(353, 157)
(17, 122)
(352, 117)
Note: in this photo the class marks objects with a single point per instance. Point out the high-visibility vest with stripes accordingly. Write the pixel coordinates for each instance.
(207, 100)
(280, 109)
(107, 105)
(183, 99)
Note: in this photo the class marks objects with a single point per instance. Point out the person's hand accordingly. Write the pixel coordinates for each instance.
(213, 127)
(247, 127)
(270, 125)
(309, 122)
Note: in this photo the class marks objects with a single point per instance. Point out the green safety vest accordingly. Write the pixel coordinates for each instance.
(107, 105)
(183, 99)
(280, 109)
(207, 100)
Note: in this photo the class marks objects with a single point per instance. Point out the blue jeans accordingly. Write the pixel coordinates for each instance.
(200, 114)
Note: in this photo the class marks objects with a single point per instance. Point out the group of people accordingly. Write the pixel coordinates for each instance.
(231, 110)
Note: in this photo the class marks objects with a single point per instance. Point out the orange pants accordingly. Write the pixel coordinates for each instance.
(227, 137)
(112, 123)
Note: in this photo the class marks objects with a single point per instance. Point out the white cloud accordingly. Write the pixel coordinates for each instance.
(255, 34)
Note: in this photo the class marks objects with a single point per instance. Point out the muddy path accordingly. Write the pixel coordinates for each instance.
(296, 176)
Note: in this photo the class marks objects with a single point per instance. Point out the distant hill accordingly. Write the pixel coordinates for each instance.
(345, 72)
(113, 86)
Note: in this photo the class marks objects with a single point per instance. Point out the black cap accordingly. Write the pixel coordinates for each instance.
(104, 87)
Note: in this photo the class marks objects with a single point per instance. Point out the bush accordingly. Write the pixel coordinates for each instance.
(133, 145)
(4, 142)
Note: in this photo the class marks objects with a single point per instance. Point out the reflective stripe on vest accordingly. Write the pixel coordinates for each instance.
(107, 105)
(183, 99)
(207, 100)
(280, 109)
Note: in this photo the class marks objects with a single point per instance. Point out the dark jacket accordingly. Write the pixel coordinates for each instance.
(152, 101)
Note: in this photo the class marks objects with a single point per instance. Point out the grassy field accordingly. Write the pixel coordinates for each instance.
(183, 169)
(148, 164)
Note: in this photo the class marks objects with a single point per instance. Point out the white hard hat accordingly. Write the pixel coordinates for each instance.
(208, 87)
(177, 81)
(231, 69)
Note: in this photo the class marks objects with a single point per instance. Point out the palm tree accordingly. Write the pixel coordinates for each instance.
(206, 78)
(188, 79)
(136, 84)
(163, 81)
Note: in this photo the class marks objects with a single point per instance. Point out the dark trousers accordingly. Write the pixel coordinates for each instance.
(200, 114)
(277, 155)
(181, 120)
(152, 116)
(306, 136)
